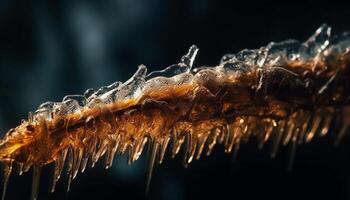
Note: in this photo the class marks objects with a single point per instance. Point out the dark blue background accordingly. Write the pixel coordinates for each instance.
(49, 49)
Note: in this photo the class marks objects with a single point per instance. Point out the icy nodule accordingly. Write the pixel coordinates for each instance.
(289, 92)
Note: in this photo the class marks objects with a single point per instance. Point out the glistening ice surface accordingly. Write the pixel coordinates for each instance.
(288, 92)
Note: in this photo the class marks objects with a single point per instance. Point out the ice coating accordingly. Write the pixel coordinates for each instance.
(274, 53)
(288, 92)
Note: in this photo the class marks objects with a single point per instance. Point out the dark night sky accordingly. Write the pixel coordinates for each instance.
(52, 48)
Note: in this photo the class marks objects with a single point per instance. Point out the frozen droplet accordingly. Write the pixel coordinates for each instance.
(248, 57)
(184, 66)
(101, 91)
(245, 54)
(80, 99)
(316, 43)
(227, 58)
(234, 66)
(170, 71)
(45, 111)
(47, 105)
(43, 114)
(188, 59)
(198, 69)
(94, 102)
(88, 93)
(341, 43)
(106, 93)
(110, 96)
(72, 105)
(288, 49)
(114, 85)
(110, 93)
(133, 86)
(60, 109)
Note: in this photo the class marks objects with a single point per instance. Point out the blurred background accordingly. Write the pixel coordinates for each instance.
(49, 49)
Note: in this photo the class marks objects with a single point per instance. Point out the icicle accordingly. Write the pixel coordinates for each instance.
(222, 135)
(102, 150)
(279, 133)
(78, 154)
(289, 128)
(20, 168)
(293, 149)
(163, 148)
(230, 139)
(7, 169)
(62, 161)
(27, 165)
(260, 137)
(55, 176)
(192, 150)
(227, 136)
(139, 145)
(140, 149)
(326, 125)
(342, 132)
(237, 132)
(234, 139)
(270, 128)
(93, 151)
(201, 143)
(110, 154)
(131, 151)
(151, 160)
(188, 141)
(306, 122)
(178, 141)
(315, 125)
(247, 132)
(235, 150)
(70, 167)
(135, 154)
(212, 141)
(36, 182)
(84, 161)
